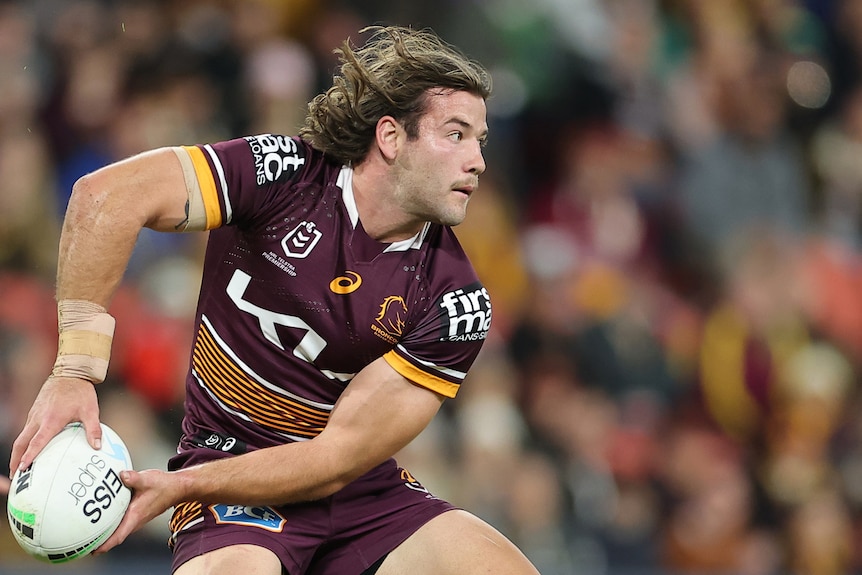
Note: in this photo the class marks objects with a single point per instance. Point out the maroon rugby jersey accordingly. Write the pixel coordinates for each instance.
(296, 298)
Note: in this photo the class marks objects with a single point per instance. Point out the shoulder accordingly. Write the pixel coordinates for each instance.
(248, 179)
(279, 158)
(446, 255)
(461, 299)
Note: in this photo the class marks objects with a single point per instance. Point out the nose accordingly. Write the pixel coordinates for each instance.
(476, 164)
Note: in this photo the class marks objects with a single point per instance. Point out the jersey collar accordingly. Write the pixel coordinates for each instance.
(345, 182)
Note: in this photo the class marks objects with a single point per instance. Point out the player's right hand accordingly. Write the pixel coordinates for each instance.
(153, 492)
(62, 400)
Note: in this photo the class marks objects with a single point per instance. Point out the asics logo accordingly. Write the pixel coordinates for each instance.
(348, 283)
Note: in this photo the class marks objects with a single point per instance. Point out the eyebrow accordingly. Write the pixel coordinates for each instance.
(467, 125)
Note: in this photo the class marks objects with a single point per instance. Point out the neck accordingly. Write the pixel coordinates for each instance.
(379, 211)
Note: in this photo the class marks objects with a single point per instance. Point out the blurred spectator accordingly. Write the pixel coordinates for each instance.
(712, 525)
(29, 227)
(751, 173)
(751, 333)
(808, 407)
(835, 157)
(536, 510)
(821, 536)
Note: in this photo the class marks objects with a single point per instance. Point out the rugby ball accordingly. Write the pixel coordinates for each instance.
(70, 499)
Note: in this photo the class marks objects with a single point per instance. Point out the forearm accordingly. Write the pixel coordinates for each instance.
(285, 474)
(378, 414)
(95, 245)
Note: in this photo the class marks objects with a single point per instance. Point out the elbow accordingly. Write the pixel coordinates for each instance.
(82, 211)
(98, 199)
(340, 468)
(90, 188)
(89, 197)
(335, 484)
(327, 489)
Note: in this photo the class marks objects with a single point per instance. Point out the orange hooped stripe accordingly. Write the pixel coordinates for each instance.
(208, 186)
(419, 376)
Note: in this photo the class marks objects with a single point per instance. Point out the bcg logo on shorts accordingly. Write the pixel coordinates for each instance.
(250, 516)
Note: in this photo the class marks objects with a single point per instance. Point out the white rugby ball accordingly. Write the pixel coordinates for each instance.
(70, 499)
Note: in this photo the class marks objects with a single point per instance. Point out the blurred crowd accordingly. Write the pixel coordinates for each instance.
(670, 227)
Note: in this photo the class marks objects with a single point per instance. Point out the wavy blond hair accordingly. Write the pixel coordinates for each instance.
(390, 75)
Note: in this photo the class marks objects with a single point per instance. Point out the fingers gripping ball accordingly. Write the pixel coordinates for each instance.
(70, 499)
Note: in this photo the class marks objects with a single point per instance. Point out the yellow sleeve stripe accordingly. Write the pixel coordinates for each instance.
(420, 377)
(208, 186)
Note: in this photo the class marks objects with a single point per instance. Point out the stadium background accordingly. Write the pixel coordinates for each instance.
(669, 226)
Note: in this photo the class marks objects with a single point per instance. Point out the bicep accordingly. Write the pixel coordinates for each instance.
(378, 414)
(106, 212)
(149, 188)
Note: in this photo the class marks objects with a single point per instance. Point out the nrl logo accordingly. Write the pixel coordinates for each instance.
(299, 242)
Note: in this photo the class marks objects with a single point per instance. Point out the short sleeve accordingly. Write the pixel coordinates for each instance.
(237, 177)
(438, 353)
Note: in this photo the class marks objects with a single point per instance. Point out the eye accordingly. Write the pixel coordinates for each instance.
(456, 136)
(483, 142)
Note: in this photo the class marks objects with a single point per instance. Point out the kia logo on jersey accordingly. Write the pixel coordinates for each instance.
(299, 242)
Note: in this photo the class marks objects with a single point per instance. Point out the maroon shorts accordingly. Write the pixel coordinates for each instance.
(343, 534)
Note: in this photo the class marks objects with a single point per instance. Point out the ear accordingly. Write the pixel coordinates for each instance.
(389, 134)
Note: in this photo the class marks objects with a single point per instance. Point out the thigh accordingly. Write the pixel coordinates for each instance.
(245, 559)
(262, 538)
(456, 543)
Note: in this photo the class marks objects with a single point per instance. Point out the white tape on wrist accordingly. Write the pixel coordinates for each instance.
(86, 333)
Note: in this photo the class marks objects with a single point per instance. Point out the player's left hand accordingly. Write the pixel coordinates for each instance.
(153, 493)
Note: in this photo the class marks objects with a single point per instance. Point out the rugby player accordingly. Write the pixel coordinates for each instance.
(337, 312)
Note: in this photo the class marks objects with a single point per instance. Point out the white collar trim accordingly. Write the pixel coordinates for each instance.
(345, 182)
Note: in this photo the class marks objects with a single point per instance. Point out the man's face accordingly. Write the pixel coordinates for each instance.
(439, 170)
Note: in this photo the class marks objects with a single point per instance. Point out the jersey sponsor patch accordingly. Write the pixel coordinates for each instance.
(250, 516)
(467, 314)
(275, 157)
